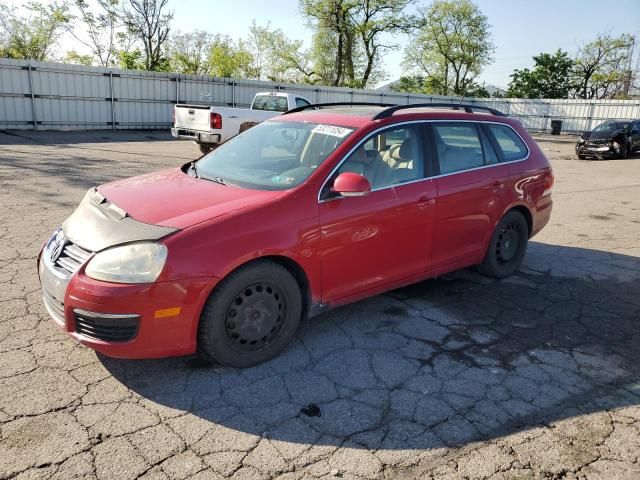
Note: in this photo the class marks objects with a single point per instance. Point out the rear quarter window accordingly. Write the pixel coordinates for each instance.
(272, 103)
(512, 146)
(301, 102)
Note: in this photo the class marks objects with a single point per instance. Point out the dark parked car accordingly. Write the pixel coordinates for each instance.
(611, 139)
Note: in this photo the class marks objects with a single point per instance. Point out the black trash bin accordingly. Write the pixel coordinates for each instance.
(556, 127)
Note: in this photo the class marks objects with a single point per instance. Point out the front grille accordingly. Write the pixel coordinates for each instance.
(107, 327)
(53, 306)
(600, 142)
(72, 258)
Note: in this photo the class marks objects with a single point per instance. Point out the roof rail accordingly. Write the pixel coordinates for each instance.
(318, 106)
(469, 108)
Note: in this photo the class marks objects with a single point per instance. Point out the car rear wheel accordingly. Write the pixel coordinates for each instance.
(582, 157)
(251, 316)
(507, 247)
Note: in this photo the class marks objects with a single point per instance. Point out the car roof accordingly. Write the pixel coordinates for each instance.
(361, 116)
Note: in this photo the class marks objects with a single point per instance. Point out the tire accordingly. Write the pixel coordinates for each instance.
(582, 157)
(625, 151)
(507, 246)
(268, 301)
(206, 148)
(246, 126)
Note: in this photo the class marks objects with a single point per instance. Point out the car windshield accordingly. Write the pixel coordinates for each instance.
(610, 127)
(272, 155)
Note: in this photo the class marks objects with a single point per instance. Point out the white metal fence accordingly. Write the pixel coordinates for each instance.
(53, 96)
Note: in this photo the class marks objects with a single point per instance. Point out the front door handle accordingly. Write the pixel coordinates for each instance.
(425, 201)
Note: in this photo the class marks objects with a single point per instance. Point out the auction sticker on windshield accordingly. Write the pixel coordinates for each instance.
(332, 130)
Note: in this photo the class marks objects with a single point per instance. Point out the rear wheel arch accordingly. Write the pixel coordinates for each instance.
(526, 213)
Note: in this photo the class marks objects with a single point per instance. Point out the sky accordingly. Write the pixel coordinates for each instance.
(520, 28)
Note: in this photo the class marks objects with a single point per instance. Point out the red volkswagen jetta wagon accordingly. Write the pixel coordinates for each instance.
(319, 207)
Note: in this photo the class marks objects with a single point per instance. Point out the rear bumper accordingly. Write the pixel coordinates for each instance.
(196, 136)
(125, 320)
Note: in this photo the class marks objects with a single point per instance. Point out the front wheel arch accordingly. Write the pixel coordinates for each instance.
(214, 343)
(294, 269)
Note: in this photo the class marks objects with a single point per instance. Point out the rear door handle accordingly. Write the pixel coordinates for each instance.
(425, 201)
(497, 186)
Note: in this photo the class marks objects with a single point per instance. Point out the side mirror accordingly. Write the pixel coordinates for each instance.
(349, 184)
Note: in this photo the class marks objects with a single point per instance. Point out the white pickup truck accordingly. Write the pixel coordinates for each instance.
(212, 126)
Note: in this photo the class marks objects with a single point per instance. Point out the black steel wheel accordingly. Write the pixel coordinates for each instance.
(251, 316)
(254, 318)
(507, 247)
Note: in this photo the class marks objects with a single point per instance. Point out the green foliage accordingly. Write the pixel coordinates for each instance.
(188, 53)
(230, 59)
(550, 77)
(74, 57)
(603, 67)
(429, 85)
(131, 60)
(451, 48)
(34, 35)
(276, 57)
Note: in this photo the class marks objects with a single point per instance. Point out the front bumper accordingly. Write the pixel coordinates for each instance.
(199, 137)
(606, 151)
(122, 320)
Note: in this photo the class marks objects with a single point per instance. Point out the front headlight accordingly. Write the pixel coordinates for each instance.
(134, 263)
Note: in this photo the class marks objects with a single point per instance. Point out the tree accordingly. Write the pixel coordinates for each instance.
(100, 30)
(34, 35)
(74, 57)
(275, 57)
(453, 45)
(348, 38)
(333, 39)
(603, 67)
(228, 59)
(149, 21)
(550, 77)
(372, 19)
(189, 52)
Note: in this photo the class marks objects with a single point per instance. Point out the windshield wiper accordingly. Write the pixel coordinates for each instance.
(217, 180)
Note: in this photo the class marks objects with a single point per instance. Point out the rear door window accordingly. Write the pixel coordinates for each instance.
(512, 146)
(459, 146)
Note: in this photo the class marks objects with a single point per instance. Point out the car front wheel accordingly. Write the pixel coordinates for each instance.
(507, 247)
(251, 316)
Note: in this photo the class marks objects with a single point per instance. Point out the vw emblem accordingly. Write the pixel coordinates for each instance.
(55, 246)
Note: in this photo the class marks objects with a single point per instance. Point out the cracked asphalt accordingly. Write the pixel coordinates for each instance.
(459, 377)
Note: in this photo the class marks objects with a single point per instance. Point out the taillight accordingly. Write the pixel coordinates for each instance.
(173, 119)
(215, 120)
(548, 183)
